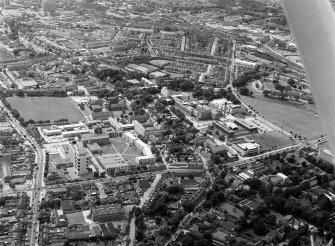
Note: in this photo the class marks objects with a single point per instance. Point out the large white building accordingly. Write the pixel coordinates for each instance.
(148, 157)
(119, 126)
(247, 149)
(78, 156)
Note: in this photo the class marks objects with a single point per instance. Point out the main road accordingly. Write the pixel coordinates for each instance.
(36, 194)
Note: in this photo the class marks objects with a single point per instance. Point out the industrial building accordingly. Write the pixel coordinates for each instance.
(246, 148)
(113, 212)
(325, 155)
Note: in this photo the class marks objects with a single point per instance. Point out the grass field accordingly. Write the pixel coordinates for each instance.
(271, 139)
(299, 120)
(118, 145)
(232, 210)
(46, 108)
(132, 150)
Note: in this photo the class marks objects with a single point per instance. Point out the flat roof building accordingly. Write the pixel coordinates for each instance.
(113, 212)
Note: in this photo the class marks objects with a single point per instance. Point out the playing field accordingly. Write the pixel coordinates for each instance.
(297, 119)
(271, 139)
(46, 108)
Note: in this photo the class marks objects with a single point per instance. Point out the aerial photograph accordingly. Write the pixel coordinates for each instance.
(160, 123)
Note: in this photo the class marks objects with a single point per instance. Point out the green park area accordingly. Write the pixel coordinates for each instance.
(272, 139)
(297, 119)
(46, 108)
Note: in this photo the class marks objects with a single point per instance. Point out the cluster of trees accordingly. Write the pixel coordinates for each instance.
(244, 91)
(248, 76)
(180, 84)
(44, 216)
(61, 121)
(15, 113)
(213, 198)
(138, 94)
(172, 223)
(180, 115)
(46, 168)
(209, 94)
(325, 166)
(49, 93)
(217, 158)
(11, 141)
(292, 206)
(106, 93)
(6, 103)
(140, 226)
(278, 86)
(96, 174)
(114, 75)
(175, 189)
(20, 93)
(50, 203)
(199, 239)
(28, 122)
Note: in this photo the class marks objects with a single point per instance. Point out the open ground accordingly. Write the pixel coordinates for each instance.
(299, 120)
(46, 108)
(271, 139)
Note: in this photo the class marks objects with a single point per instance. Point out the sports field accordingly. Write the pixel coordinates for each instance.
(46, 108)
(297, 119)
(271, 139)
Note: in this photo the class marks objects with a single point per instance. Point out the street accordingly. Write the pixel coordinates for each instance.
(37, 181)
(145, 197)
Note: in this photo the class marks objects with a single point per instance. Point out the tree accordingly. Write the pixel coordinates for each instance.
(266, 92)
(260, 229)
(186, 86)
(216, 159)
(188, 206)
(244, 91)
(270, 219)
(279, 87)
(137, 211)
(291, 81)
(158, 220)
(20, 93)
(254, 183)
(324, 203)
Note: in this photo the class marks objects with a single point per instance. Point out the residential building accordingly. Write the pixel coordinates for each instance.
(148, 157)
(52, 132)
(75, 133)
(148, 83)
(185, 107)
(146, 131)
(91, 138)
(115, 104)
(119, 126)
(204, 112)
